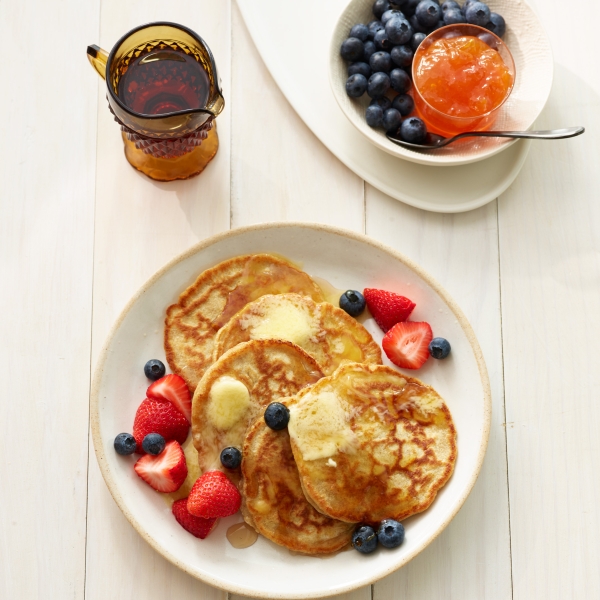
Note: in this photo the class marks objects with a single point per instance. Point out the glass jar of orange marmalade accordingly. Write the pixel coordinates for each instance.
(462, 75)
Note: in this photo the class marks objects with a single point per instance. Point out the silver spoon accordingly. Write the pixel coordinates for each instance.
(434, 141)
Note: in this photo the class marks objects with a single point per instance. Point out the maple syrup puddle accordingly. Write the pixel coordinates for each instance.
(331, 293)
(241, 535)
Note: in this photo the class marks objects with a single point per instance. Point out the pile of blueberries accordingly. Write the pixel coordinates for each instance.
(381, 53)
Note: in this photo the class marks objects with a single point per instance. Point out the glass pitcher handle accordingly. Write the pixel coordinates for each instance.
(98, 59)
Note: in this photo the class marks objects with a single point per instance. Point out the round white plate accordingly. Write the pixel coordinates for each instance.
(346, 260)
(530, 48)
(297, 56)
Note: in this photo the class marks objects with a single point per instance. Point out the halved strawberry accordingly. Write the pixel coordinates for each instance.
(174, 389)
(388, 308)
(165, 472)
(159, 416)
(407, 344)
(197, 526)
(213, 495)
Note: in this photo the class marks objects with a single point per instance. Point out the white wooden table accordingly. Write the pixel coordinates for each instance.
(80, 231)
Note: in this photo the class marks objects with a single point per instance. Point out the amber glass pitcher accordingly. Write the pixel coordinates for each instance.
(163, 90)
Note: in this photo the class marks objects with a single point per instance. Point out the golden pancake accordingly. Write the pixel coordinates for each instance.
(235, 389)
(273, 501)
(216, 295)
(330, 335)
(371, 443)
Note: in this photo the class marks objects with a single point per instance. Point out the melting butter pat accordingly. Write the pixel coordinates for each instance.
(319, 426)
(282, 322)
(228, 401)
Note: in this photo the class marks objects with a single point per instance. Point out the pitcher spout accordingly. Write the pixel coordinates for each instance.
(98, 59)
(218, 105)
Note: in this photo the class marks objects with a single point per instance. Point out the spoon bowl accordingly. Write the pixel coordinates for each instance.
(434, 141)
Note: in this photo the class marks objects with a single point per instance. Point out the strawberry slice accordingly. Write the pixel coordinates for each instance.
(165, 472)
(197, 526)
(159, 416)
(174, 389)
(213, 495)
(387, 308)
(407, 344)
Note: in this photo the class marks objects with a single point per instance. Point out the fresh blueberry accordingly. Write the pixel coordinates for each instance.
(478, 13)
(381, 62)
(404, 104)
(400, 81)
(125, 444)
(364, 539)
(390, 533)
(453, 15)
(428, 13)
(359, 68)
(398, 30)
(154, 369)
(416, 39)
(414, 23)
(370, 49)
(390, 14)
(402, 55)
(439, 347)
(360, 31)
(409, 7)
(391, 119)
(496, 24)
(378, 85)
(374, 117)
(352, 301)
(352, 49)
(356, 85)
(381, 40)
(383, 102)
(379, 7)
(153, 443)
(231, 457)
(374, 27)
(277, 416)
(450, 4)
(413, 130)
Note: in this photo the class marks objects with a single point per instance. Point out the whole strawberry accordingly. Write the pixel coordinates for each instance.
(213, 495)
(159, 416)
(197, 526)
(174, 389)
(388, 308)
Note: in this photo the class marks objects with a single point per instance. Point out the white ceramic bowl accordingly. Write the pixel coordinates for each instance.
(345, 260)
(531, 52)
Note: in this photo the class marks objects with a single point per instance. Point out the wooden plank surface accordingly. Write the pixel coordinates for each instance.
(550, 272)
(141, 225)
(47, 170)
(279, 170)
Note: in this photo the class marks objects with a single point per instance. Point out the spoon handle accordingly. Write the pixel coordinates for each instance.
(549, 134)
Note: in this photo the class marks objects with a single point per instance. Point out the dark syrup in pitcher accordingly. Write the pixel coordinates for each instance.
(164, 81)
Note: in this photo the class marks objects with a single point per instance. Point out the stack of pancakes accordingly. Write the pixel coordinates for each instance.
(364, 442)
